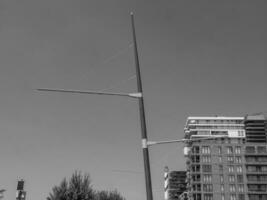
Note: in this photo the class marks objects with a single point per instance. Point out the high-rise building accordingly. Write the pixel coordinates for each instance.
(226, 158)
(174, 184)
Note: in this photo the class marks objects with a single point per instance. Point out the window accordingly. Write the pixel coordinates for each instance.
(208, 197)
(231, 168)
(232, 197)
(195, 168)
(196, 177)
(229, 150)
(241, 197)
(238, 150)
(206, 150)
(206, 168)
(250, 159)
(262, 159)
(196, 187)
(264, 168)
(254, 197)
(230, 159)
(250, 149)
(239, 169)
(221, 178)
(251, 169)
(252, 187)
(219, 150)
(261, 149)
(207, 187)
(238, 159)
(232, 188)
(206, 159)
(220, 168)
(195, 158)
(239, 178)
(263, 178)
(195, 149)
(222, 188)
(240, 188)
(197, 196)
(223, 198)
(252, 178)
(207, 178)
(220, 158)
(231, 178)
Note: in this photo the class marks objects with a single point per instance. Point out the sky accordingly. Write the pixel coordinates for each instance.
(197, 58)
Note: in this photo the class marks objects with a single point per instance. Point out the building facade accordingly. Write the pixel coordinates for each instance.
(174, 184)
(226, 158)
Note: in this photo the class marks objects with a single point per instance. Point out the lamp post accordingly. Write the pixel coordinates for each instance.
(139, 96)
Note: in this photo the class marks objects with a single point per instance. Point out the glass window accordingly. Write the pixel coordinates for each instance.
(220, 168)
(220, 150)
(239, 178)
(207, 187)
(250, 159)
(207, 178)
(252, 187)
(238, 150)
(206, 168)
(239, 169)
(229, 150)
(230, 159)
(223, 198)
(240, 188)
(195, 168)
(252, 177)
(205, 150)
(232, 197)
(238, 159)
(195, 149)
(262, 159)
(231, 168)
(231, 178)
(251, 168)
(208, 197)
(250, 149)
(221, 178)
(264, 168)
(232, 188)
(261, 149)
(195, 158)
(241, 197)
(206, 159)
(196, 187)
(196, 177)
(222, 188)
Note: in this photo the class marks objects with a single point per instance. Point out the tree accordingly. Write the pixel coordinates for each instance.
(106, 195)
(79, 188)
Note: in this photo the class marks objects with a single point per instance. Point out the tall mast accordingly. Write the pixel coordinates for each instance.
(142, 118)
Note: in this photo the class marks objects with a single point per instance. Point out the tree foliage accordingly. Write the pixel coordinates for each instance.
(79, 188)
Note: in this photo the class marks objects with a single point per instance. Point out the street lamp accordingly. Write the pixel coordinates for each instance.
(139, 96)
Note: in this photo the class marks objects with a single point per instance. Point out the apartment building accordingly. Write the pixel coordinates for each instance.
(226, 158)
(174, 184)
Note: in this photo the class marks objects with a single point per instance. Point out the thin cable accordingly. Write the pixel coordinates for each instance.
(117, 84)
(105, 61)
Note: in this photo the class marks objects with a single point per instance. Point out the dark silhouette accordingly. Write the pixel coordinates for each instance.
(79, 188)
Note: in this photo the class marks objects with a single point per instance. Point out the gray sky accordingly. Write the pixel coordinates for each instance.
(197, 58)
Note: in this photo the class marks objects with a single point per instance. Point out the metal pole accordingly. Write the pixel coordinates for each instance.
(142, 118)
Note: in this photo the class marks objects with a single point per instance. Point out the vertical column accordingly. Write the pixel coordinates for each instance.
(21, 193)
(166, 183)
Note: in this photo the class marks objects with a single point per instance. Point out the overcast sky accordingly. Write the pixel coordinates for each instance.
(197, 58)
